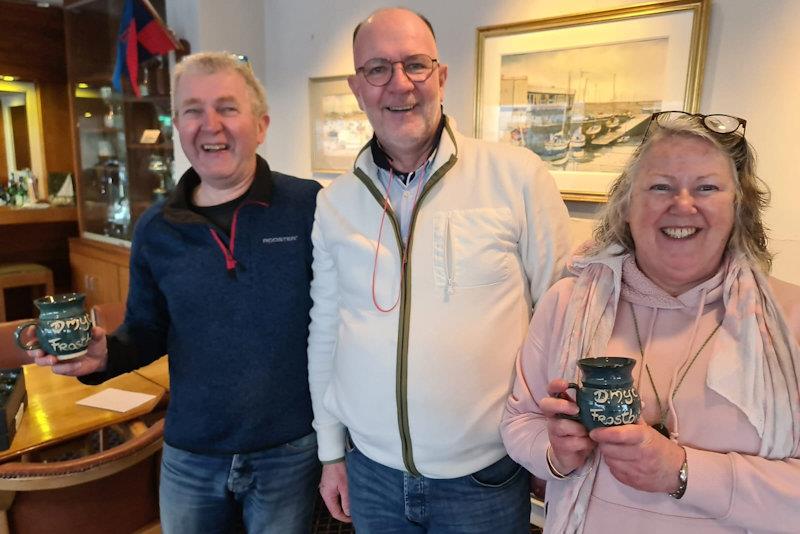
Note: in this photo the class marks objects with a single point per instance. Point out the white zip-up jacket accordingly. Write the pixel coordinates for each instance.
(422, 388)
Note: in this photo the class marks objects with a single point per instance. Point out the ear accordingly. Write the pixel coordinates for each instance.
(353, 83)
(261, 128)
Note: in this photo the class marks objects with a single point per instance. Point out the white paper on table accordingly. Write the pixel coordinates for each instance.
(115, 399)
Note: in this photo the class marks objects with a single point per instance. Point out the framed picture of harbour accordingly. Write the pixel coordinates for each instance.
(579, 90)
(339, 129)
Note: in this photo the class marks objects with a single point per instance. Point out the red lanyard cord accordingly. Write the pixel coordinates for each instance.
(386, 205)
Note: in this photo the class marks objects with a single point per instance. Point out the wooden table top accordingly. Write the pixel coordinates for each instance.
(52, 415)
(158, 372)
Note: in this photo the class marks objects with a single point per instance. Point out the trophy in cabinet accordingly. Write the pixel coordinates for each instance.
(118, 217)
(160, 166)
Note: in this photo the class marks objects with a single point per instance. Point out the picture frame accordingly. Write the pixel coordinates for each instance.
(339, 129)
(579, 90)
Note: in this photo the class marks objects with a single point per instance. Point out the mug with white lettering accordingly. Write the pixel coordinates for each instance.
(606, 395)
(63, 329)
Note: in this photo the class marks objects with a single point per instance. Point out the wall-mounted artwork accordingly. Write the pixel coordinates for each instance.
(579, 90)
(339, 129)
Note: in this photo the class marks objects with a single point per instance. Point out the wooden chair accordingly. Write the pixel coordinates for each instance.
(20, 275)
(11, 355)
(115, 490)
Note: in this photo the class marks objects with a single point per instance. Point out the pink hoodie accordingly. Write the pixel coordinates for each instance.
(730, 489)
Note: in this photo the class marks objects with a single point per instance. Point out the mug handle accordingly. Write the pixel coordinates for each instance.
(33, 345)
(572, 385)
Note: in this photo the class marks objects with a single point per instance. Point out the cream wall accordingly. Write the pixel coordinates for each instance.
(750, 72)
(209, 25)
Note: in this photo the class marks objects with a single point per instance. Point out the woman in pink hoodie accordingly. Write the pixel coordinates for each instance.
(676, 278)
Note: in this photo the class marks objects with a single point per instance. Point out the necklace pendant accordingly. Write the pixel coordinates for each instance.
(662, 429)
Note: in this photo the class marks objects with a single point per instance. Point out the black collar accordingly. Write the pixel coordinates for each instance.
(177, 205)
(384, 160)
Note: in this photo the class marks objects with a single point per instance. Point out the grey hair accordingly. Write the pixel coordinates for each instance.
(748, 236)
(213, 62)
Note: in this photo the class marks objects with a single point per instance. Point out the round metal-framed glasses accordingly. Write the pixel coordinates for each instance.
(379, 71)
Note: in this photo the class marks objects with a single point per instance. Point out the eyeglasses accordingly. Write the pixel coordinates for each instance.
(241, 58)
(379, 71)
(718, 124)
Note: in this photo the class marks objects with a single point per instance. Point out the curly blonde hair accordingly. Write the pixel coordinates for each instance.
(749, 235)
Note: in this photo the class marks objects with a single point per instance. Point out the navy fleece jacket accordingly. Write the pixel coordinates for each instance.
(234, 322)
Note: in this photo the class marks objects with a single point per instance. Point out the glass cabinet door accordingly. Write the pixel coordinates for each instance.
(124, 143)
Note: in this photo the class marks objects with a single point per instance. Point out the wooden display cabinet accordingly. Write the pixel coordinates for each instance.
(99, 270)
(123, 149)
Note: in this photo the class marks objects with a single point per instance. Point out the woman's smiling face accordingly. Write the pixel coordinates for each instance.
(681, 211)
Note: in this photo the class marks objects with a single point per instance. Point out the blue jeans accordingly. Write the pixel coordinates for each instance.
(383, 500)
(270, 491)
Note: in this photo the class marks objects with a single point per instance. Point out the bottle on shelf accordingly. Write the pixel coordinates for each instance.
(11, 191)
(17, 189)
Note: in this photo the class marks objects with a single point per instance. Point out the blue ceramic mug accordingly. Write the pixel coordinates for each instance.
(63, 329)
(606, 395)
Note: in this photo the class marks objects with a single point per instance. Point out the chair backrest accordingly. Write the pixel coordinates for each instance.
(115, 490)
(11, 355)
(108, 315)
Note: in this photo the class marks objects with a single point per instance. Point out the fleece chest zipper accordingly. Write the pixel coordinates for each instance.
(231, 263)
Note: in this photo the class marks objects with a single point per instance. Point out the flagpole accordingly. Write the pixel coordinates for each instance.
(149, 7)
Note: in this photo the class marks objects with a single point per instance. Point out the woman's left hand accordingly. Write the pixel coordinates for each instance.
(639, 457)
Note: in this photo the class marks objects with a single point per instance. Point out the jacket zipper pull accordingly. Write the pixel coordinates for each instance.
(230, 265)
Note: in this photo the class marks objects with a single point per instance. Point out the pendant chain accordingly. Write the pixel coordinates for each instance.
(663, 411)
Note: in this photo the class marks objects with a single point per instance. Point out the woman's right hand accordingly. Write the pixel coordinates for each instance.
(93, 361)
(569, 440)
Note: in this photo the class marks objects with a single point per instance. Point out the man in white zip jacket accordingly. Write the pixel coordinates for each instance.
(428, 258)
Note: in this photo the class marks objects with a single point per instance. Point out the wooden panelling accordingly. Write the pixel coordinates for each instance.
(123, 273)
(92, 37)
(97, 280)
(56, 130)
(32, 42)
(99, 270)
(3, 160)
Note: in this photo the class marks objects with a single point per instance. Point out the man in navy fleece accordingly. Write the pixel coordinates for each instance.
(219, 280)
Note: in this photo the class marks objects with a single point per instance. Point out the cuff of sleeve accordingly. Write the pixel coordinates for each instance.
(710, 484)
(118, 352)
(539, 457)
(330, 443)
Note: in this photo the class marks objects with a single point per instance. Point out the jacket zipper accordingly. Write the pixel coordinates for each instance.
(401, 373)
(448, 255)
(228, 252)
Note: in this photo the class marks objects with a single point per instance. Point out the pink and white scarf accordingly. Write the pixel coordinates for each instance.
(756, 362)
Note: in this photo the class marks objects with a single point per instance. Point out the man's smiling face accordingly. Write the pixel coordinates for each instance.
(218, 130)
(404, 114)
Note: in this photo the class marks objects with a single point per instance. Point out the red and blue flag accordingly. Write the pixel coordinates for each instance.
(142, 35)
